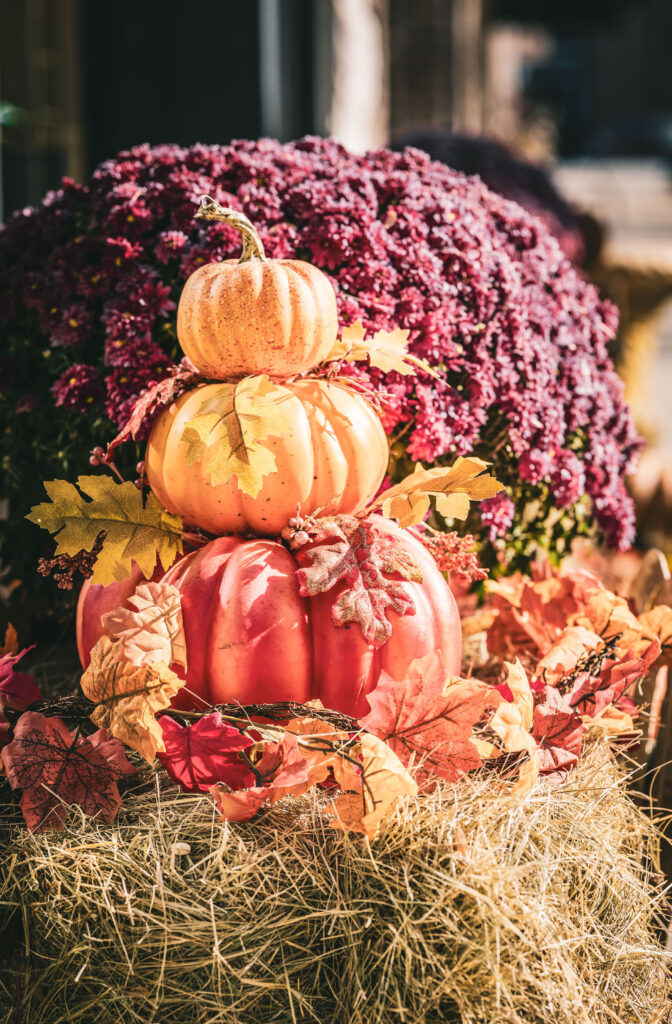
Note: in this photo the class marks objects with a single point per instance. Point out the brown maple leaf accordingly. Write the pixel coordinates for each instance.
(55, 769)
(149, 405)
(128, 696)
(351, 551)
(427, 717)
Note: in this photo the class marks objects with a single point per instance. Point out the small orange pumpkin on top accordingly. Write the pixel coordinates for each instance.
(255, 315)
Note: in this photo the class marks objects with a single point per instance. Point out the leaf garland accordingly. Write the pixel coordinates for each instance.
(453, 487)
(229, 428)
(135, 530)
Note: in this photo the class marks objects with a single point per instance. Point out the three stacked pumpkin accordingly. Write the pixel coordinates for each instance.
(251, 636)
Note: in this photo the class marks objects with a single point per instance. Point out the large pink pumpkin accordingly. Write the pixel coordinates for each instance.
(252, 638)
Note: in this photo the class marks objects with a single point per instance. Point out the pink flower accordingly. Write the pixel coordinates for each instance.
(497, 515)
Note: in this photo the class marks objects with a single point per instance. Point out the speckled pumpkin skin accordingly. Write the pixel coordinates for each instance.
(334, 458)
(251, 637)
(261, 316)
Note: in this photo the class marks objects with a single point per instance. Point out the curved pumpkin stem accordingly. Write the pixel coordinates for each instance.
(253, 247)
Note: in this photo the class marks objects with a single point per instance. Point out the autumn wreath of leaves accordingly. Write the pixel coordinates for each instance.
(530, 719)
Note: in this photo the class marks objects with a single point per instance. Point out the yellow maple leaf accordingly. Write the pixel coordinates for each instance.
(512, 722)
(231, 424)
(128, 696)
(387, 350)
(453, 486)
(383, 781)
(135, 530)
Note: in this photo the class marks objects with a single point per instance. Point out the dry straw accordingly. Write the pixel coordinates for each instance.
(471, 907)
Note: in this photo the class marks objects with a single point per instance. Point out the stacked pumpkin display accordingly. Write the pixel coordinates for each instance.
(254, 330)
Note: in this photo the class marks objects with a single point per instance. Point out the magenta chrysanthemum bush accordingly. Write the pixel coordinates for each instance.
(91, 278)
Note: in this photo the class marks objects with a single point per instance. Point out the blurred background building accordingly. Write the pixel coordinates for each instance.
(583, 89)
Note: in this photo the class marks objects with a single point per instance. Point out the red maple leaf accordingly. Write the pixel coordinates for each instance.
(200, 755)
(427, 718)
(282, 770)
(591, 694)
(347, 550)
(149, 405)
(558, 729)
(55, 769)
(17, 690)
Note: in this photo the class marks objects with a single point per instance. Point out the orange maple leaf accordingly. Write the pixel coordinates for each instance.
(563, 655)
(658, 623)
(427, 717)
(382, 783)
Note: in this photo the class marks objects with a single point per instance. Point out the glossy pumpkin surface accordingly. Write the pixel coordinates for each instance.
(334, 457)
(252, 638)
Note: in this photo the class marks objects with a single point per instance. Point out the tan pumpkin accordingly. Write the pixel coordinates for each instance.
(333, 457)
(255, 315)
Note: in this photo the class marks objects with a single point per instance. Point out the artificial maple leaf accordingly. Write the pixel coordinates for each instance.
(614, 723)
(150, 404)
(512, 722)
(590, 694)
(382, 783)
(564, 654)
(531, 615)
(658, 623)
(427, 717)
(348, 550)
(284, 771)
(387, 350)
(152, 629)
(318, 743)
(55, 769)
(134, 530)
(557, 729)
(609, 616)
(230, 426)
(454, 487)
(128, 696)
(199, 756)
(17, 690)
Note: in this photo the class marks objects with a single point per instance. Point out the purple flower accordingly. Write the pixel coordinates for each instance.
(78, 388)
(518, 339)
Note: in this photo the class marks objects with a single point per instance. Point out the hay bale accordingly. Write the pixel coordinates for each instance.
(473, 908)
